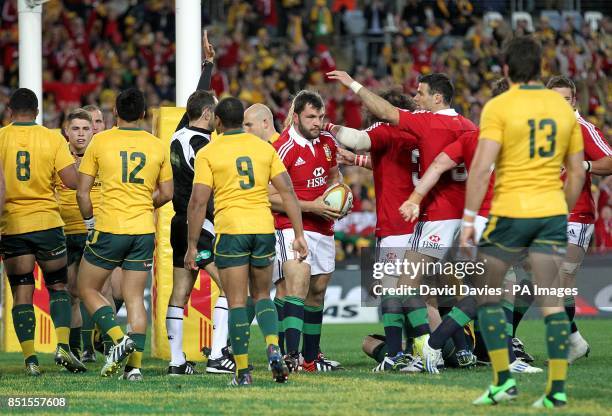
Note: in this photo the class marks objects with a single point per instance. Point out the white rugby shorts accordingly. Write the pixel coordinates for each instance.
(321, 252)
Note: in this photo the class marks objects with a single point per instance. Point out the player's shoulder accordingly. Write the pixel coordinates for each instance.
(589, 128)
(326, 137)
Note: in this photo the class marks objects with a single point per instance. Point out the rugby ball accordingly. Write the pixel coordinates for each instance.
(340, 197)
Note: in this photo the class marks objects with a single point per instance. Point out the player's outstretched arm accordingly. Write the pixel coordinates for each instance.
(69, 176)
(196, 212)
(163, 194)
(575, 178)
(348, 158)
(602, 167)
(410, 208)
(85, 184)
(477, 184)
(378, 106)
(349, 137)
(282, 183)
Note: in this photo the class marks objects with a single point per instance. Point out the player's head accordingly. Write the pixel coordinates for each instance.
(229, 114)
(522, 58)
(565, 87)
(258, 120)
(434, 92)
(130, 105)
(200, 109)
(97, 119)
(79, 130)
(308, 114)
(397, 99)
(499, 86)
(24, 104)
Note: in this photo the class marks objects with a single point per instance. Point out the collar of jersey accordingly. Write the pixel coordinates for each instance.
(299, 139)
(531, 87)
(577, 114)
(232, 132)
(447, 112)
(129, 128)
(24, 123)
(199, 129)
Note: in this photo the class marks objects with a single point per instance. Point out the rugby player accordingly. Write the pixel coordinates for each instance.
(528, 132)
(31, 225)
(237, 167)
(136, 176)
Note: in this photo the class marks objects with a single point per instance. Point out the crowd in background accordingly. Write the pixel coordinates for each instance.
(267, 50)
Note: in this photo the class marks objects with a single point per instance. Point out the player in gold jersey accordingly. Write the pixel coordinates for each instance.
(237, 167)
(31, 156)
(130, 164)
(529, 132)
(79, 130)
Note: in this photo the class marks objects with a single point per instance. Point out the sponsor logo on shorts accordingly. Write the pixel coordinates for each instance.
(572, 232)
(57, 252)
(433, 241)
(434, 238)
(203, 255)
(147, 264)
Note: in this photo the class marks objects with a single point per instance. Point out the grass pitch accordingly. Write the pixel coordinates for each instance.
(356, 391)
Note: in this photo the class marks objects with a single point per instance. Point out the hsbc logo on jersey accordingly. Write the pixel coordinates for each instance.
(318, 180)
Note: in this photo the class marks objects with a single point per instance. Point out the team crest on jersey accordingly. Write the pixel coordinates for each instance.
(328, 154)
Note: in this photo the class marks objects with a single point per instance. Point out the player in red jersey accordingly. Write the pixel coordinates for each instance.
(580, 225)
(436, 126)
(309, 154)
(390, 156)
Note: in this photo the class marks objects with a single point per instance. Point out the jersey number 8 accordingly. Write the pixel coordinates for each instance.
(23, 165)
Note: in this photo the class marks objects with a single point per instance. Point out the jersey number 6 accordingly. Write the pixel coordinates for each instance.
(244, 166)
(142, 159)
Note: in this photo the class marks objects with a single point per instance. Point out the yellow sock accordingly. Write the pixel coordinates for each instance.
(63, 334)
(500, 362)
(115, 333)
(242, 362)
(135, 359)
(557, 371)
(272, 339)
(27, 347)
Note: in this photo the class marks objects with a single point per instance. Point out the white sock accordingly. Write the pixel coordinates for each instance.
(220, 328)
(174, 326)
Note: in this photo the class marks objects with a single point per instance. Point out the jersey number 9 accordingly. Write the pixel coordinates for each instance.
(142, 159)
(244, 166)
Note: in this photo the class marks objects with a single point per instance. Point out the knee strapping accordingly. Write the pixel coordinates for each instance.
(21, 279)
(58, 276)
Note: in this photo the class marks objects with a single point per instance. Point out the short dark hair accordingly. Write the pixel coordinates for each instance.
(197, 102)
(130, 104)
(560, 81)
(396, 98)
(23, 101)
(439, 84)
(499, 86)
(523, 55)
(305, 97)
(231, 112)
(78, 113)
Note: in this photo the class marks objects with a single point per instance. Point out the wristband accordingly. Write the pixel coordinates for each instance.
(90, 223)
(587, 165)
(469, 212)
(355, 86)
(328, 127)
(361, 160)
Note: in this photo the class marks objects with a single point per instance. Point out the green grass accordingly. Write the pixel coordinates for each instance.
(356, 391)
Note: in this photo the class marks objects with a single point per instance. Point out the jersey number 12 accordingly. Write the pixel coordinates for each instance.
(142, 159)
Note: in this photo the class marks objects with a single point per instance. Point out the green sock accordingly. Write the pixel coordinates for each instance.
(250, 308)
(416, 314)
(60, 308)
(492, 322)
(293, 323)
(135, 359)
(508, 308)
(280, 305)
(87, 328)
(239, 332)
(313, 318)
(75, 338)
(267, 319)
(24, 321)
(104, 317)
(557, 335)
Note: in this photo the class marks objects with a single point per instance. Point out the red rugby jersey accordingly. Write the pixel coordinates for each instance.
(308, 164)
(434, 131)
(595, 147)
(392, 170)
(462, 151)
